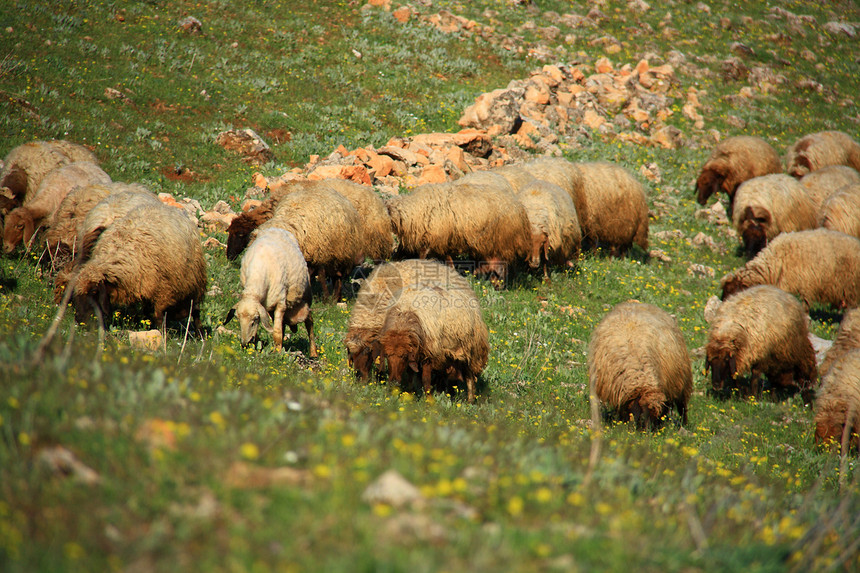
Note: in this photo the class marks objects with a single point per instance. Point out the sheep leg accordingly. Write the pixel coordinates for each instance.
(278, 327)
(426, 378)
(682, 411)
(470, 389)
(309, 326)
(321, 277)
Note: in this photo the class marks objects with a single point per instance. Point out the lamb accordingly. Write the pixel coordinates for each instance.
(837, 405)
(152, 256)
(824, 182)
(818, 266)
(638, 364)
(556, 235)
(817, 150)
(22, 223)
(841, 211)
(614, 211)
(431, 330)
(769, 205)
(275, 280)
(443, 220)
(847, 339)
(26, 166)
(761, 332)
(733, 161)
(376, 297)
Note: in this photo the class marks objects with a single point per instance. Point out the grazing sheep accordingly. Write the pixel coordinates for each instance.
(769, 205)
(376, 297)
(614, 211)
(733, 161)
(563, 173)
(444, 220)
(431, 330)
(824, 182)
(761, 332)
(837, 404)
(275, 280)
(817, 150)
(153, 256)
(841, 211)
(847, 339)
(818, 266)
(493, 178)
(22, 223)
(327, 228)
(556, 235)
(638, 364)
(26, 166)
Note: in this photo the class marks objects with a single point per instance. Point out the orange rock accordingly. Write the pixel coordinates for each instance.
(342, 150)
(259, 180)
(537, 92)
(456, 156)
(603, 66)
(251, 204)
(356, 173)
(361, 153)
(380, 165)
(402, 14)
(642, 67)
(593, 119)
(433, 174)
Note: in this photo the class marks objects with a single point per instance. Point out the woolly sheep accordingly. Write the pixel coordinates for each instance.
(152, 255)
(432, 329)
(22, 223)
(638, 364)
(769, 205)
(837, 404)
(847, 339)
(841, 211)
(26, 166)
(761, 332)
(556, 235)
(824, 182)
(443, 221)
(376, 297)
(733, 161)
(818, 266)
(817, 150)
(614, 211)
(275, 281)
(563, 173)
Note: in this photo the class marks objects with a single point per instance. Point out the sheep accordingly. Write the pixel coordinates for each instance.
(514, 174)
(26, 166)
(837, 404)
(22, 223)
(556, 235)
(638, 364)
(769, 205)
(327, 228)
(375, 298)
(841, 211)
(824, 182)
(614, 211)
(275, 280)
(481, 222)
(431, 330)
(817, 150)
(563, 173)
(761, 332)
(733, 161)
(847, 339)
(818, 266)
(153, 256)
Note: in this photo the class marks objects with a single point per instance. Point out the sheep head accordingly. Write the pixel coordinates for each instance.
(829, 433)
(239, 234)
(16, 182)
(753, 228)
(19, 227)
(92, 296)
(709, 183)
(540, 244)
(800, 163)
(731, 284)
(251, 314)
(649, 410)
(400, 342)
(359, 352)
(723, 368)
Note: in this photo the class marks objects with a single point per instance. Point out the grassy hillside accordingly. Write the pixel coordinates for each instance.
(207, 456)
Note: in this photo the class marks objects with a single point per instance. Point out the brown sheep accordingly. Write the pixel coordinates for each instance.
(841, 211)
(22, 223)
(818, 266)
(817, 150)
(837, 404)
(432, 329)
(733, 161)
(638, 364)
(556, 235)
(824, 182)
(761, 332)
(152, 255)
(847, 339)
(443, 221)
(769, 205)
(26, 166)
(614, 212)
(375, 298)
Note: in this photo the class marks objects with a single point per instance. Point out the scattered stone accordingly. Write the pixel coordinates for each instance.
(392, 489)
(702, 239)
(190, 25)
(698, 270)
(408, 528)
(837, 28)
(711, 308)
(660, 255)
(150, 340)
(62, 462)
(243, 475)
(246, 143)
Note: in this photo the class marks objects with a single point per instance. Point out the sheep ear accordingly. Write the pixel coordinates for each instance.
(413, 365)
(230, 314)
(265, 320)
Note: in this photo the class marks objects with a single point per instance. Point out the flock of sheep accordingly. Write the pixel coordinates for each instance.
(111, 244)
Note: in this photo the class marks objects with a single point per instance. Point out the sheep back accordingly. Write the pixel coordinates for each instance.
(555, 227)
(113, 207)
(817, 150)
(824, 182)
(847, 339)
(638, 364)
(274, 271)
(841, 210)
(26, 166)
(373, 215)
(563, 173)
(616, 207)
(494, 178)
(516, 176)
(837, 403)
(733, 161)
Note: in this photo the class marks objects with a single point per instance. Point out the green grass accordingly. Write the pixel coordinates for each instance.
(506, 483)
